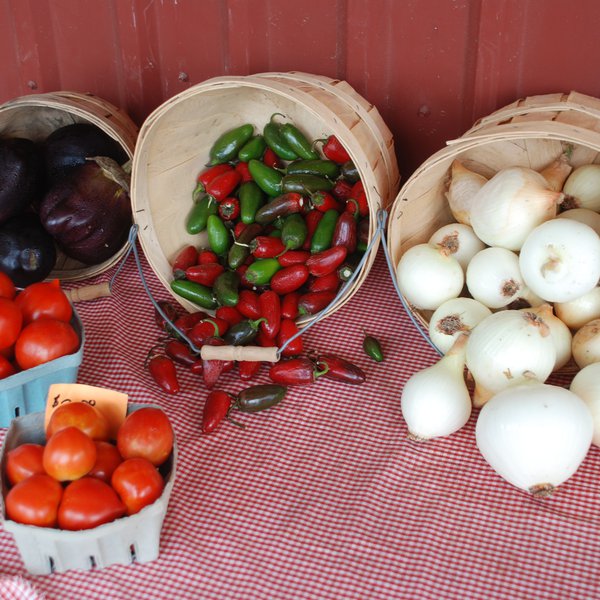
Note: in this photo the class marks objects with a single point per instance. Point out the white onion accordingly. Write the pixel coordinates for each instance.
(576, 313)
(586, 384)
(508, 348)
(458, 240)
(510, 205)
(535, 435)
(560, 260)
(582, 187)
(494, 278)
(453, 317)
(583, 215)
(435, 401)
(464, 185)
(427, 277)
(586, 344)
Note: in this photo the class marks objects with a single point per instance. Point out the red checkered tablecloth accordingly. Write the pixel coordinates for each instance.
(324, 497)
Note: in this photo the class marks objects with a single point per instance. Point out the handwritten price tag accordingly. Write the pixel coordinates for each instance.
(112, 404)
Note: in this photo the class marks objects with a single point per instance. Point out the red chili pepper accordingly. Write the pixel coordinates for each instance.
(248, 304)
(271, 159)
(346, 232)
(359, 196)
(311, 219)
(334, 150)
(222, 185)
(342, 190)
(207, 328)
(237, 230)
(180, 353)
(228, 365)
(197, 367)
(294, 371)
(229, 209)
(286, 331)
(230, 314)
(340, 369)
(326, 283)
(187, 321)
(249, 369)
(170, 310)
(293, 257)
(289, 279)
(206, 274)
(163, 371)
(244, 171)
(289, 305)
(206, 256)
(212, 369)
(216, 408)
(363, 231)
(314, 302)
(265, 246)
(270, 310)
(264, 341)
(209, 174)
(187, 257)
(327, 261)
(324, 201)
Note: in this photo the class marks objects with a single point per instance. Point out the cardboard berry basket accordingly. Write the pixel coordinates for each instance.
(126, 540)
(532, 132)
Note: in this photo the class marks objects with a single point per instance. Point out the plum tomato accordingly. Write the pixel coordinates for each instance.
(146, 433)
(35, 501)
(44, 340)
(69, 454)
(44, 299)
(7, 287)
(82, 415)
(107, 460)
(138, 483)
(11, 322)
(87, 503)
(23, 462)
(6, 367)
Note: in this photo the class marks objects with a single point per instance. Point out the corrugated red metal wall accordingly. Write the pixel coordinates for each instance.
(431, 66)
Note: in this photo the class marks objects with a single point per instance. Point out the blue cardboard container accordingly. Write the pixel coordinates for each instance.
(26, 392)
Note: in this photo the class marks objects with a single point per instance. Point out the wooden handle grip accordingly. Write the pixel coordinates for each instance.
(240, 353)
(89, 292)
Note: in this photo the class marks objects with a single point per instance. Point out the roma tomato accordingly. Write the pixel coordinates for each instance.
(87, 503)
(138, 483)
(44, 340)
(69, 454)
(23, 462)
(11, 321)
(7, 287)
(146, 433)
(35, 501)
(44, 299)
(6, 367)
(82, 415)
(107, 460)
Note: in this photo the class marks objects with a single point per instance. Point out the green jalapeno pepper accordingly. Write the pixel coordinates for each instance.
(226, 287)
(294, 232)
(372, 348)
(229, 144)
(198, 217)
(323, 235)
(297, 142)
(243, 333)
(194, 292)
(260, 397)
(282, 206)
(349, 172)
(277, 143)
(251, 199)
(305, 184)
(267, 178)
(253, 148)
(261, 271)
(219, 238)
(240, 250)
(322, 168)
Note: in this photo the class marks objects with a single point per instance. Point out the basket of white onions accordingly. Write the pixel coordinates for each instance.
(494, 243)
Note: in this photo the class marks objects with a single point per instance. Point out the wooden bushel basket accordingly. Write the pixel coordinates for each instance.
(174, 143)
(36, 116)
(531, 132)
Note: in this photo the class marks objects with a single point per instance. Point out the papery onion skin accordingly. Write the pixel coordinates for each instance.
(576, 313)
(582, 188)
(586, 384)
(535, 436)
(427, 278)
(560, 260)
(463, 187)
(459, 240)
(586, 344)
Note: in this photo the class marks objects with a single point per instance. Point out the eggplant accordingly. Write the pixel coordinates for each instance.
(27, 250)
(89, 212)
(68, 147)
(20, 176)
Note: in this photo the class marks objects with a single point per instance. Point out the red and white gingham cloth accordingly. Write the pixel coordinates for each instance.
(323, 497)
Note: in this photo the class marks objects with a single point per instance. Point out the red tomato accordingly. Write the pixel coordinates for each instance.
(44, 340)
(6, 367)
(7, 287)
(23, 462)
(146, 433)
(44, 299)
(34, 501)
(107, 460)
(11, 321)
(138, 483)
(69, 454)
(87, 503)
(82, 415)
